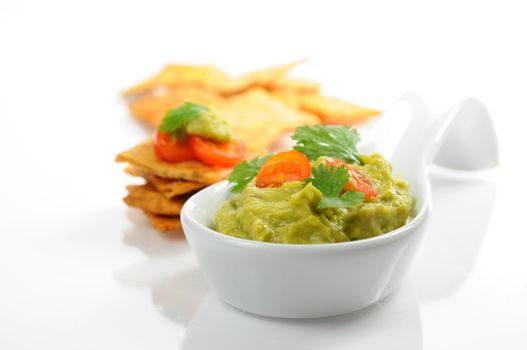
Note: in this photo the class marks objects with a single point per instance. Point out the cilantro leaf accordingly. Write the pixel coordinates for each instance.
(244, 172)
(331, 181)
(350, 199)
(336, 141)
(177, 119)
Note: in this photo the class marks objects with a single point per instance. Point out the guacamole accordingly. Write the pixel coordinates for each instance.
(210, 126)
(289, 213)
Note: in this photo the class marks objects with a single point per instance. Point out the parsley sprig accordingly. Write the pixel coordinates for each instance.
(177, 119)
(331, 181)
(336, 141)
(244, 172)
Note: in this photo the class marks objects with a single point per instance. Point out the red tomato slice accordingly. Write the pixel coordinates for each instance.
(169, 149)
(357, 181)
(283, 167)
(222, 154)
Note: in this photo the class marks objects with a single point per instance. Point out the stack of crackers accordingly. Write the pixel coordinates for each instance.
(167, 185)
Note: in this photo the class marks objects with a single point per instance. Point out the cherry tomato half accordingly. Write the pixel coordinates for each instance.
(357, 181)
(222, 154)
(283, 167)
(171, 150)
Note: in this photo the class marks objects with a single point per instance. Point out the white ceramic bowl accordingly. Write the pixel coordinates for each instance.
(304, 281)
(296, 281)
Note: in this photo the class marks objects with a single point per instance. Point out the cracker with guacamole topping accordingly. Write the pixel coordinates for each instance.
(143, 155)
(168, 187)
(164, 223)
(145, 197)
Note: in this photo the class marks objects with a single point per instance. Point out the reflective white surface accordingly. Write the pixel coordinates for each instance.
(80, 270)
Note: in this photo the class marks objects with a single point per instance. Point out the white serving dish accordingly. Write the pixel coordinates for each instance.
(305, 281)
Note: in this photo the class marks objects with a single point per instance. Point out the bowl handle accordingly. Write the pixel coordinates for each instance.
(411, 137)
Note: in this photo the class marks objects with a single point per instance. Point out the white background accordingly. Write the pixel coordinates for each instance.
(79, 270)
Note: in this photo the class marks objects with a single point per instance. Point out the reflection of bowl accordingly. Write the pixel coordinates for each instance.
(298, 281)
(393, 323)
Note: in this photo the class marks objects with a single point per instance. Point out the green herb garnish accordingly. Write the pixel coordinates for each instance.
(334, 141)
(331, 181)
(177, 119)
(244, 172)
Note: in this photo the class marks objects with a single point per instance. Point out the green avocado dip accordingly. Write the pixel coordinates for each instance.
(289, 213)
(210, 126)
(195, 119)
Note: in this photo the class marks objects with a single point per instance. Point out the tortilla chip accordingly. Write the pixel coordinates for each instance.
(208, 77)
(299, 86)
(332, 110)
(169, 188)
(164, 223)
(290, 91)
(147, 198)
(259, 119)
(261, 78)
(143, 155)
(287, 96)
(152, 108)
